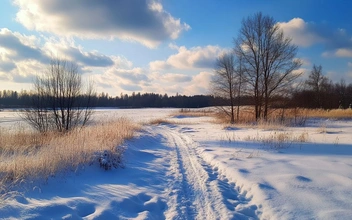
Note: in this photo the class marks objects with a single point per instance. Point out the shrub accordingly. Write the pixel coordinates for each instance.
(109, 159)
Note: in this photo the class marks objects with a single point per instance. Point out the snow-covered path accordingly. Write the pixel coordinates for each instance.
(201, 193)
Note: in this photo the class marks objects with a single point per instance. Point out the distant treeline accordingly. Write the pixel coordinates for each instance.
(329, 96)
(23, 99)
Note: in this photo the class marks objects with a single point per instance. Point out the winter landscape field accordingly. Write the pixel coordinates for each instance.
(181, 166)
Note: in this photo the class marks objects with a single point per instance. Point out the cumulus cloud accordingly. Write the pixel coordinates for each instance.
(302, 33)
(132, 76)
(19, 47)
(6, 65)
(343, 52)
(191, 70)
(16, 47)
(159, 65)
(22, 57)
(116, 80)
(200, 83)
(130, 79)
(175, 77)
(24, 71)
(195, 57)
(70, 51)
(144, 21)
(337, 42)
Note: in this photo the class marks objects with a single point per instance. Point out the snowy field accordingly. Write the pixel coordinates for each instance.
(192, 168)
(10, 118)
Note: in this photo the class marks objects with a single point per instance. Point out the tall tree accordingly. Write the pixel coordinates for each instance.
(269, 59)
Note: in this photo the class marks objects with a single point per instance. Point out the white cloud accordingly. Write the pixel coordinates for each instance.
(176, 77)
(68, 50)
(159, 65)
(337, 42)
(200, 84)
(24, 71)
(131, 76)
(349, 64)
(343, 52)
(20, 47)
(193, 66)
(195, 57)
(300, 32)
(144, 21)
(173, 46)
(122, 77)
(171, 78)
(22, 57)
(184, 84)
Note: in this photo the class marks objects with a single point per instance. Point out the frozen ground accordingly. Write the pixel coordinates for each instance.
(194, 169)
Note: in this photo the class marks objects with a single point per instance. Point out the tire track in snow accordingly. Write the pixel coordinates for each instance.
(201, 193)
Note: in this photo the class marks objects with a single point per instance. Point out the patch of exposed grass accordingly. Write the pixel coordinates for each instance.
(159, 121)
(26, 156)
(281, 117)
(195, 112)
(321, 113)
(278, 139)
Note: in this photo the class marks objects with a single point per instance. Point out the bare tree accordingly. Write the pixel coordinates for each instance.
(319, 84)
(268, 58)
(240, 84)
(59, 102)
(227, 83)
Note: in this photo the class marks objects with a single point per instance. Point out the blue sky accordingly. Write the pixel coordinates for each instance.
(160, 46)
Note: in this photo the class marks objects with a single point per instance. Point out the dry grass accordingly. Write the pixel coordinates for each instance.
(195, 112)
(160, 121)
(302, 138)
(26, 156)
(246, 116)
(282, 117)
(279, 139)
(321, 113)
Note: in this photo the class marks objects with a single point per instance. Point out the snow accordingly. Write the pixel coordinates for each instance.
(195, 169)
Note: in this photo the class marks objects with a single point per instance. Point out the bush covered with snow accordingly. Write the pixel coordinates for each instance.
(109, 159)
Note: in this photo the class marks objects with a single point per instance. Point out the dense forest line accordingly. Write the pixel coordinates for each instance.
(328, 96)
(23, 99)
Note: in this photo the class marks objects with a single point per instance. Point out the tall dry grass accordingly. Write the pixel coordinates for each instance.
(195, 112)
(322, 113)
(26, 156)
(283, 117)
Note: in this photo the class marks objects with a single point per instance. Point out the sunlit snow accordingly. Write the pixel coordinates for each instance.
(193, 168)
